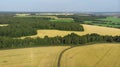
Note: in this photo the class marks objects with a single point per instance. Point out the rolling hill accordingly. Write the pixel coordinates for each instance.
(31, 57)
(97, 55)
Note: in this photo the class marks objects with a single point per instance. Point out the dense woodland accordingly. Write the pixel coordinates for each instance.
(71, 39)
(28, 26)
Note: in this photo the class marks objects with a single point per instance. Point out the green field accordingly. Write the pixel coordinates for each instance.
(107, 22)
(113, 19)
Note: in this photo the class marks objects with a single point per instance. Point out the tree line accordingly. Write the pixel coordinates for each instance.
(70, 39)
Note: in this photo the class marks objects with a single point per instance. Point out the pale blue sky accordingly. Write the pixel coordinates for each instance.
(60, 5)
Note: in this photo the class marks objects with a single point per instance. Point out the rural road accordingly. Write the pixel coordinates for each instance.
(61, 54)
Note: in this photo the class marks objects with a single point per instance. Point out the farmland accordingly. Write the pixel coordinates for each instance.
(97, 55)
(60, 33)
(107, 22)
(58, 41)
(113, 19)
(31, 57)
(88, 30)
(52, 18)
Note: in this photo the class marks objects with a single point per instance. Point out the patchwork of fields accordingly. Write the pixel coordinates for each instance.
(88, 30)
(97, 55)
(107, 22)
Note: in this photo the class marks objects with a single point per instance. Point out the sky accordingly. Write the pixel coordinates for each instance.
(60, 5)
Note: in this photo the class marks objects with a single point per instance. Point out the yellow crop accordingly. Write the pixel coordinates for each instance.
(88, 30)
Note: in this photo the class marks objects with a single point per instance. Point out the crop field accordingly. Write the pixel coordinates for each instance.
(97, 55)
(88, 30)
(31, 57)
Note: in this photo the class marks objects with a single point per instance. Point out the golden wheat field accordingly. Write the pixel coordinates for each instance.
(31, 57)
(88, 30)
(98, 55)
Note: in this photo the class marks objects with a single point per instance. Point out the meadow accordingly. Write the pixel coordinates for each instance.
(88, 30)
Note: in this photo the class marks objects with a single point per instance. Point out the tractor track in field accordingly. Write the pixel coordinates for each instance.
(108, 51)
(61, 54)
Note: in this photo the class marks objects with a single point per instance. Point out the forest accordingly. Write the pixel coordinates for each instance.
(28, 26)
(69, 40)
